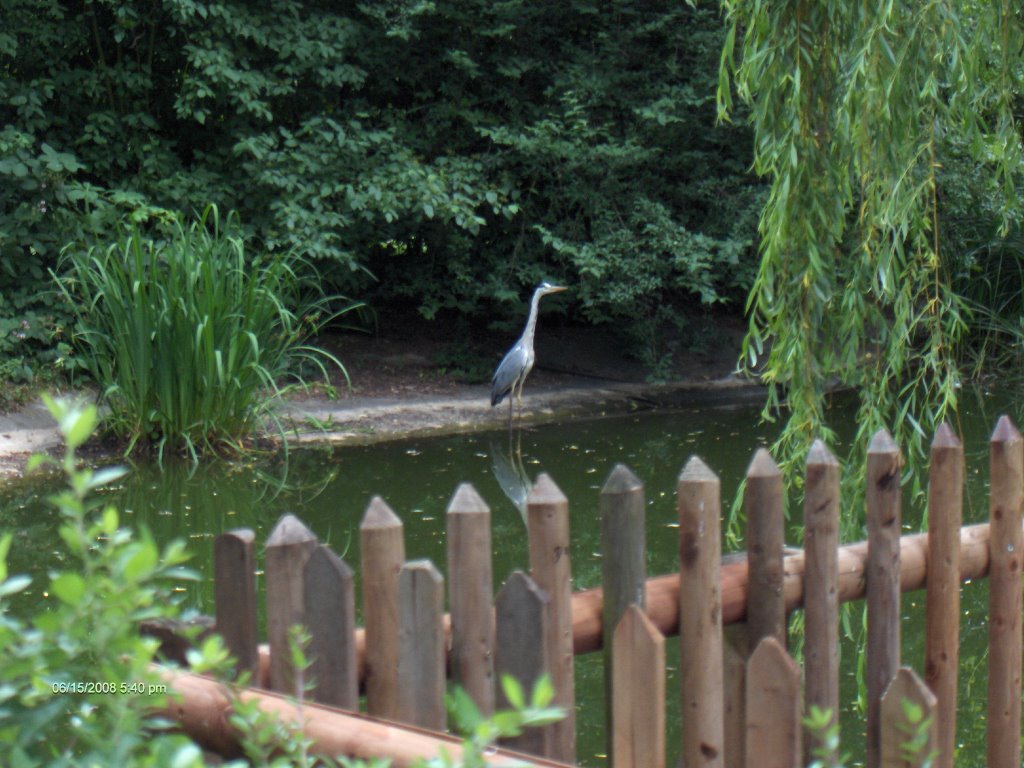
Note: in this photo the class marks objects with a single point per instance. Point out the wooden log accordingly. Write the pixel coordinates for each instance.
(521, 619)
(773, 707)
(662, 592)
(203, 707)
(234, 596)
(330, 611)
(1004, 606)
(763, 505)
(942, 604)
(700, 615)
(547, 512)
(470, 589)
(638, 693)
(821, 584)
(421, 661)
(883, 575)
(382, 549)
(898, 730)
(623, 563)
(288, 547)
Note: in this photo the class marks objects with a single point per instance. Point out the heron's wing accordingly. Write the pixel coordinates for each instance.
(508, 373)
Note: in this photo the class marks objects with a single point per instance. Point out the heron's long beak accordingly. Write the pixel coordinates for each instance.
(557, 288)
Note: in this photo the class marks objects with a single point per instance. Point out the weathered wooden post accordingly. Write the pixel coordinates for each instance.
(288, 548)
(1004, 601)
(773, 707)
(883, 581)
(821, 584)
(471, 595)
(905, 689)
(234, 596)
(547, 512)
(623, 564)
(700, 615)
(330, 611)
(521, 651)
(382, 549)
(766, 609)
(763, 504)
(942, 605)
(638, 706)
(422, 652)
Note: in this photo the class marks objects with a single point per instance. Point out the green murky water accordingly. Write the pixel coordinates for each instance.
(329, 491)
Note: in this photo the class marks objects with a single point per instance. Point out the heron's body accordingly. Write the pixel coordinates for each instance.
(518, 362)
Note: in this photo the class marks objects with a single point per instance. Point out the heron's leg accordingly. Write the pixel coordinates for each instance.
(511, 402)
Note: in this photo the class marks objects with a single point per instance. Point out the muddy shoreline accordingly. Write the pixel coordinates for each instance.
(360, 420)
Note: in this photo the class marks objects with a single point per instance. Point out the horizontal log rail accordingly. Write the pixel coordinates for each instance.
(202, 708)
(662, 592)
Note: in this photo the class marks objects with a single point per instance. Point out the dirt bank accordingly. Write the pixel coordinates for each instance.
(398, 388)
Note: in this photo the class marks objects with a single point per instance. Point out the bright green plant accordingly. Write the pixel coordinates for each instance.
(191, 341)
(917, 729)
(76, 684)
(825, 735)
(482, 733)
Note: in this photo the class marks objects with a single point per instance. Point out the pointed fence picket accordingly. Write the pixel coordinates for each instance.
(742, 695)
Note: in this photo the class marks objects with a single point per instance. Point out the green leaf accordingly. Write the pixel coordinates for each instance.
(68, 587)
(109, 520)
(14, 584)
(106, 476)
(77, 425)
(141, 560)
(5, 547)
(463, 710)
(513, 691)
(543, 692)
(35, 461)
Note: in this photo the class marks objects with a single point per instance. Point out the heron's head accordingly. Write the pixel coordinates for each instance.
(545, 288)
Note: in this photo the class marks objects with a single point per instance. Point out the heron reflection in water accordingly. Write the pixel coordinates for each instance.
(510, 473)
(518, 362)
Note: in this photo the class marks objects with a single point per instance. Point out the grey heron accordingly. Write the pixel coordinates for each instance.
(516, 366)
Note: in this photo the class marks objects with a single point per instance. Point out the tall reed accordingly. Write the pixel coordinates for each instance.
(191, 342)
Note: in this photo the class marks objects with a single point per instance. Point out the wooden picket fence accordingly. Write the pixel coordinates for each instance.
(742, 695)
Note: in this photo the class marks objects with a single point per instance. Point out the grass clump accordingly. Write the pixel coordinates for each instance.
(191, 341)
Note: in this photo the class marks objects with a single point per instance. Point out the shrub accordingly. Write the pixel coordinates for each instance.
(76, 684)
(190, 341)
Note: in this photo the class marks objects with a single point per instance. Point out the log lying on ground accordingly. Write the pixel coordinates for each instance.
(662, 592)
(202, 708)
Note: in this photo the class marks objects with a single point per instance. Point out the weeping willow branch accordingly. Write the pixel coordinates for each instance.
(848, 101)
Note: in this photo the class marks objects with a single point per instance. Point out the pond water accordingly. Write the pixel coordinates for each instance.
(329, 491)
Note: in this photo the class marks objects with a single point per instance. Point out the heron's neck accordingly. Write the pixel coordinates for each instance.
(531, 322)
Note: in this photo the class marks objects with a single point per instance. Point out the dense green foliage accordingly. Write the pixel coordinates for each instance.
(445, 155)
(189, 339)
(890, 138)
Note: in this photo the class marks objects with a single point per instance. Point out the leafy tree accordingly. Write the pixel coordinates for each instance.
(456, 151)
